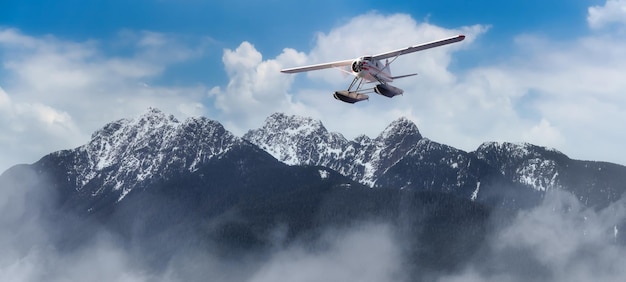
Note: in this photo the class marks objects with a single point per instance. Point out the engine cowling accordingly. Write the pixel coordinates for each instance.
(357, 66)
(361, 64)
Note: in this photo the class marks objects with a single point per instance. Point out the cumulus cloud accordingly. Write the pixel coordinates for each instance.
(612, 12)
(374, 33)
(574, 87)
(55, 93)
(256, 88)
(563, 94)
(544, 133)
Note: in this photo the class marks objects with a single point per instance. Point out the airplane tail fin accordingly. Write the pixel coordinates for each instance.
(387, 66)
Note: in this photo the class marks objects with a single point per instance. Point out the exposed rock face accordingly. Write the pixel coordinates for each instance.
(401, 158)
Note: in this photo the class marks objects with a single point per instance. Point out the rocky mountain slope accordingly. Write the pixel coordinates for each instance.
(304, 141)
(399, 157)
(132, 153)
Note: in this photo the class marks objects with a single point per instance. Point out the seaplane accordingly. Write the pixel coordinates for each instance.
(370, 69)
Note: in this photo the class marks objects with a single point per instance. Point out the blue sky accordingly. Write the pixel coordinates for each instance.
(545, 72)
(274, 25)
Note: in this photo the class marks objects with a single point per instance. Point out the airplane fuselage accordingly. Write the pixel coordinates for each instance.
(371, 70)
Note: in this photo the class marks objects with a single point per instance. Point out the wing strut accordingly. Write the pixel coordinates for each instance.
(354, 81)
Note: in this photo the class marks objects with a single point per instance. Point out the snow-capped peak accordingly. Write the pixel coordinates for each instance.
(525, 163)
(293, 125)
(401, 127)
(136, 150)
(296, 140)
(303, 141)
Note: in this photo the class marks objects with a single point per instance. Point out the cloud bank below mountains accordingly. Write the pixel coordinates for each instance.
(557, 240)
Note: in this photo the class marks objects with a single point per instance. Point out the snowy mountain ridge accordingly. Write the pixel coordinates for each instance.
(154, 147)
(303, 141)
(528, 164)
(297, 140)
(131, 151)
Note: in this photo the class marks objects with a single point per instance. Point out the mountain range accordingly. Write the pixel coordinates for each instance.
(400, 158)
(164, 187)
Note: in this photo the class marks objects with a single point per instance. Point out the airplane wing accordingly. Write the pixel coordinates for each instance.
(318, 66)
(420, 47)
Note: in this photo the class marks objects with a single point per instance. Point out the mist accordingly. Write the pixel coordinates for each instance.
(558, 240)
(28, 241)
(30, 251)
(365, 253)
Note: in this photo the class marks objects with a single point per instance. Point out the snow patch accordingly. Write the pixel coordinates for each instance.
(533, 173)
(323, 174)
(124, 193)
(475, 193)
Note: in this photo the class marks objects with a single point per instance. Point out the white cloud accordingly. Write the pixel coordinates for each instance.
(566, 94)
(375, 33)
(256, 89)
(612, 12)
(544, 133)
(368, 253)
(559, 240)
(55, 93)
(5, 101)
(577, 87)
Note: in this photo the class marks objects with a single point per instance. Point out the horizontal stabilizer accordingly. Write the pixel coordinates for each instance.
(403, 76)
